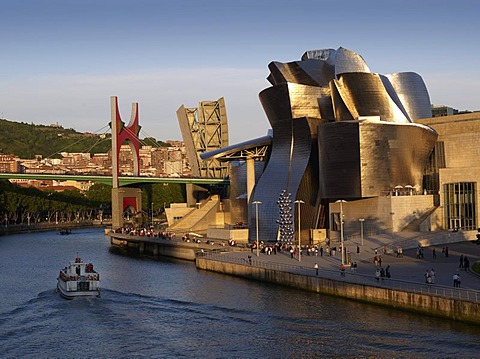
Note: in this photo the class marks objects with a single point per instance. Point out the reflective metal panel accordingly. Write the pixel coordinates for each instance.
(321, 54)
(413, 94)
(364, 95)
(370, 158)
(339, 160)
(348, 61)
(291, 155)
(393, 155)
(291, 101)
(291, 72)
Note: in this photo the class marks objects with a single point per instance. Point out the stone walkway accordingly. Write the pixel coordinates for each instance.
(407, 268)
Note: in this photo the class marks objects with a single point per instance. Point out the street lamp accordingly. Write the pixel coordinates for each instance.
(152, 213)
(256, 203)
(361, 228)
(299, 202)
(341, 228)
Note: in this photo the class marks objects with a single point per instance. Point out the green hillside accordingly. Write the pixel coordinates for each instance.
(27, 140)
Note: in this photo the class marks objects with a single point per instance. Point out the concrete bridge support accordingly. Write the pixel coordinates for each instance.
(124, 198)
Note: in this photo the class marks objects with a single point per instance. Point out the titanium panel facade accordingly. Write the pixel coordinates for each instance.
(412, 93)
(291, 100)
(365, 95)
(291, 155)
(369, 159)
(339, 132)
(347, 61)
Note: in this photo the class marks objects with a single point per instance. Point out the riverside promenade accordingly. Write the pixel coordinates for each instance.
(406, 289)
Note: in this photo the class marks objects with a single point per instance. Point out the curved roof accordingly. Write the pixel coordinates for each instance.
(240, 150)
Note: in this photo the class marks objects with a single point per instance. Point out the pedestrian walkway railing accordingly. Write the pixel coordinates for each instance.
(350, 277)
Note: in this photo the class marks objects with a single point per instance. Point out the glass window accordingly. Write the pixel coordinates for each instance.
(460, 205)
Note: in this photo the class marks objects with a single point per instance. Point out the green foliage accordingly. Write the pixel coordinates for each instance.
(150, 141)
(162, 195)
(17, 203)
(476, 267)
(28, 140)
(477, 241)
(100, 193)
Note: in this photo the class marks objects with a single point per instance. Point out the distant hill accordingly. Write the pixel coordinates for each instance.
(27, 140)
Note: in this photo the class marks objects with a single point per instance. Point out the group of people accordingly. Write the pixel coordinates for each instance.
(464, 262)
(420, 254)
(305, 250)
(382, 273)
(144, 232)
(430, 276)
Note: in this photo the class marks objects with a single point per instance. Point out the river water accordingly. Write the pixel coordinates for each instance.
(167, 308)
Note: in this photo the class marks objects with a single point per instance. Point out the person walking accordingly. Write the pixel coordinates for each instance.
(434, 254)
(432, 275)
(387, 271)
(428, 279)
(455, 278)
(377, 275)
(460, 265)
(315, 266)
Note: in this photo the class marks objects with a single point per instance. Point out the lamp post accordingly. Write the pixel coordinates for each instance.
(256, 203)
(341, 201)
(361, 228)
(299, 202)
(152, 213)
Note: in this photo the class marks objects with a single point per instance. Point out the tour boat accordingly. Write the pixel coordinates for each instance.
(78, 280)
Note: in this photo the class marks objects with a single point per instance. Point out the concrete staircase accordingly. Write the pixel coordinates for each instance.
(200, 218)
(414, 225)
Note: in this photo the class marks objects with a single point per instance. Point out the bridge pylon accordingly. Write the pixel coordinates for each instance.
(124, 199)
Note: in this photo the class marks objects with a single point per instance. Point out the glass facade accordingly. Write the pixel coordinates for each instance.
(460, 205)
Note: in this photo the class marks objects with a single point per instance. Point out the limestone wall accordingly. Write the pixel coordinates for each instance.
(432, 305)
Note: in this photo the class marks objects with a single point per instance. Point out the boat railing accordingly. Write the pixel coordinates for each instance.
(351, 277)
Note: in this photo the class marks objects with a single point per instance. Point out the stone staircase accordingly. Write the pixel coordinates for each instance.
(200, 218)
(414, 225)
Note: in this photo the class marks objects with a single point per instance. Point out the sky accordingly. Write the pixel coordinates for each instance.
(62, 60)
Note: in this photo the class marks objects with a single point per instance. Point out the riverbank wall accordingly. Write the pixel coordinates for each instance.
(155, 246)
(450, 308)
(45, 227)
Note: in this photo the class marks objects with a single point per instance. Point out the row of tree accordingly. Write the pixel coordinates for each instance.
(30, 205)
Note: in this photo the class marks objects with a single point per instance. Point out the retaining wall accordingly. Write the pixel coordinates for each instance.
(427, 304)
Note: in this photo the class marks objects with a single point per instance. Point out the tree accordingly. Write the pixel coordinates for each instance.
(100, 193)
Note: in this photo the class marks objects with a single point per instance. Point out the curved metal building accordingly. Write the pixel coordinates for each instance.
(339, 132)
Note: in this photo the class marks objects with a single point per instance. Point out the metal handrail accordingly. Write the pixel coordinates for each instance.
(352, 277)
